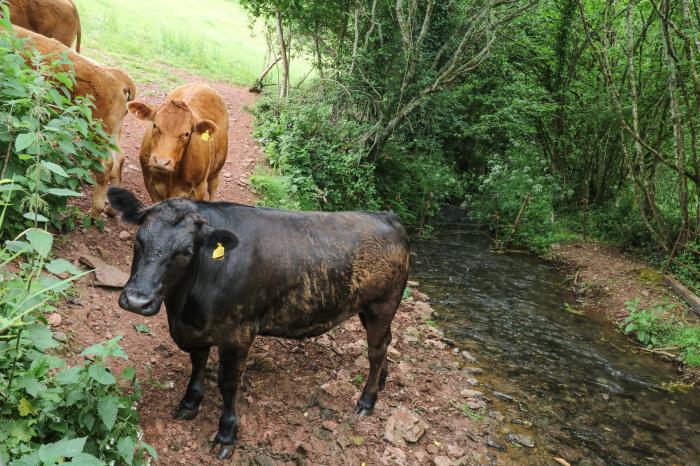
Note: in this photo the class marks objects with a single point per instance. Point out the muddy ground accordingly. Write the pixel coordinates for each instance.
(298, 398)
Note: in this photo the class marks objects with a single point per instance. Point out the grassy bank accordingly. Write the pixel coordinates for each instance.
(149, 37)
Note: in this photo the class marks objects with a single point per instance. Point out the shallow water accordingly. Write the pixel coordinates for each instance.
(589, 396)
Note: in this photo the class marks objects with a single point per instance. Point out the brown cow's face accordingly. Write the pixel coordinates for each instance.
(173, 127)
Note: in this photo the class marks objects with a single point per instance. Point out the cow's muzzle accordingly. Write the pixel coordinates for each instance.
(139, 303)
(161, 164)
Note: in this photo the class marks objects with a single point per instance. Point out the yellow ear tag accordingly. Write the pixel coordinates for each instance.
(206, 137)
(218, 252)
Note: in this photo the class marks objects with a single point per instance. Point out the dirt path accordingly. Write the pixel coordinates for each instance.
(297, 405)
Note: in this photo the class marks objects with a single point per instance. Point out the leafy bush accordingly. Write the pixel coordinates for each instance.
(659, 327)
(49, 144)
(50, 412)
(318, 156)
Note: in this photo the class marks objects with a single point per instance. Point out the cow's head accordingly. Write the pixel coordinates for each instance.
(172, 236)
(174, 125)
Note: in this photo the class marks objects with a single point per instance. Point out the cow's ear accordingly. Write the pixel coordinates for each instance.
(205, 126)
(141, 111)
(218, 241)
(126, 203)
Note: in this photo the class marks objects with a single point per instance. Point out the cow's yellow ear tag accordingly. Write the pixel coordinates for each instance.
(205, 138)
(218, 252)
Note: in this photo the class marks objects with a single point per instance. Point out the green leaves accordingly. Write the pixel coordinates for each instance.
(55, 168)
(107, 408)
(53, 452)
(40, 240)
(142, 328)
(100, 374)
(126, 447)
(24, 140)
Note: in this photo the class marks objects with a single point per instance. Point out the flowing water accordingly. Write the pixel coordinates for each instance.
(580, 390)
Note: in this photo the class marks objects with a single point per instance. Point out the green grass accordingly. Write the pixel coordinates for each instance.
(148, 38)
(660, 328)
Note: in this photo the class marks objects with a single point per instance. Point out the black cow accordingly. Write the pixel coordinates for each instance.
(228, 272)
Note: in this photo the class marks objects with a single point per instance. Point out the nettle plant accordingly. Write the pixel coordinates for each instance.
(49, 143)
(51, 412)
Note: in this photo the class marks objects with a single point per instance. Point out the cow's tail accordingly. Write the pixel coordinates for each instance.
(80, 29)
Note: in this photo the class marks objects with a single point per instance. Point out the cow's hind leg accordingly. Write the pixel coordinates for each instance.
(377, 321)
(232, 360)
(189, 405)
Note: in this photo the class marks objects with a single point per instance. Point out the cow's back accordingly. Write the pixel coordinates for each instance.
(57, 19)
(109, 88)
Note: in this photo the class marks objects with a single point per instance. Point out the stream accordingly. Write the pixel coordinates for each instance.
(580, 390)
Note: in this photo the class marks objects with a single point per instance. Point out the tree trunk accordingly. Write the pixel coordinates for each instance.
(284, 85)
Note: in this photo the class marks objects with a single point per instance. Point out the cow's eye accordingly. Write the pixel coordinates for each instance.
(154, 126)
(185, 252)
(187, 135)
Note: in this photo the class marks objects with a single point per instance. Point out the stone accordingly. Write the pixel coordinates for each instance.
(441, 461)
(338, 387)
(54, 319)
(432, 449)
(404, 426)
(436, 344)
(393, 456)
(561, 461)
(454, 452)
(423, 310)
(467, 393)
(474, 370)
(329, 425)
(492, 443)
(412, 284)
(124, 235)
(475, 403)
(105, 275)
(521, 439)
(472, 381)
(468, 356)
(393, 352)
(264, 460)
(418, 296)
(60, 336)
(496, 415)
(503, 396)
(421, 456)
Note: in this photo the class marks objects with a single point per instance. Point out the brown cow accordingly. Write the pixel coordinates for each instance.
(110, 90)
(57, 19)
(186, 147)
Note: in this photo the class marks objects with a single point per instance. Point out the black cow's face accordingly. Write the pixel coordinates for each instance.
(172, 235)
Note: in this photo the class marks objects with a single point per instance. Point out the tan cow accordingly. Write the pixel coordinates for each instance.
(186, 146)
(57, 19)
(110, 89)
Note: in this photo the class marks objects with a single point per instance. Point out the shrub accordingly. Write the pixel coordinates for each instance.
(49, 144)
(50, 411)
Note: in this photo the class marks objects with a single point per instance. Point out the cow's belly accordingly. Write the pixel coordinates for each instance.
(299, 329)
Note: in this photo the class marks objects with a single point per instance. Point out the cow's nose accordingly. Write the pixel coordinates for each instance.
(135, 301)
(162, 162)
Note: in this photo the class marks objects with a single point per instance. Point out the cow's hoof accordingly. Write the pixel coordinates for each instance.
(184, 413)
(363, 408)
(225, 452)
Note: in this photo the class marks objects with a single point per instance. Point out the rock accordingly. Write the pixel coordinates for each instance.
(492, 443)
(474, 370)
(60, 336)
(561, 461)
(393, 352)
(468, 356)
(324, 341)
(393, 456)
(475, 403)
(124, 235)
(421, 456)
(441, 461)
(472, 381)
(455, 351)
(454, 452)
(467, 393)
(418, 296)
(521, 439)
(54, 319)
(106, 275)
(503, 396)
(423, 310)
(411, 340)
(404, 426)
(496, 415)
(432, 449)
(329, 425)
(337, 387)
(412, 284)
(436, 344)
(264, 460)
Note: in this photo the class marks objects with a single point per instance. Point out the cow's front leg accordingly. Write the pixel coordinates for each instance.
(189, 405)
(232, 361)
